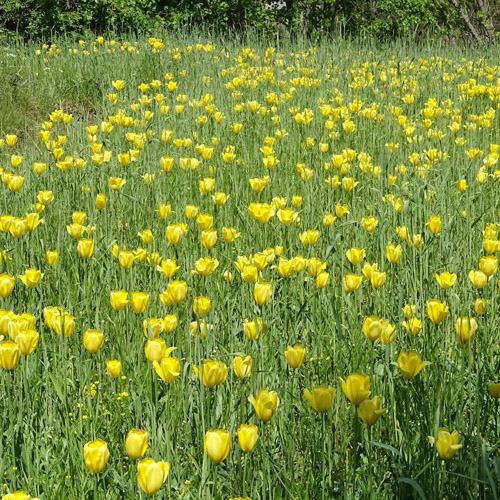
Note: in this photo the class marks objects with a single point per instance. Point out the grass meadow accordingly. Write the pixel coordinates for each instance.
(177, 214)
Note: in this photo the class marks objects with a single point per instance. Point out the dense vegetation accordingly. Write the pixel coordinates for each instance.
(477, 20)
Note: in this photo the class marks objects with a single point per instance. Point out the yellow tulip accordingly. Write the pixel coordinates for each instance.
(434, 224)
(27, 341)
(295, 356)
(175, 232)
(410, 364)
(287, 216)
(18, 495)
(217, 444)
(167, 368)
(369, 410)
(205, 221)
(191, 211)
(373, 327)
(9, 354)
(168, 267)
(151, 475)
(52, 257)
(479, 278)
(136, 443)
(465, 328)
(93, 340)
(261, 212)
(437, 311)
(252, 328)
(309, 237)
(265, 404)
(86, 248)
(177, 291)
(495, 390)
(413, 325)
(447, 443)
(242, 366)
(155, 349)
(321, 397)
(169, 323)
(114, 368)
(352, 282)
(206, 185)
(75, 230)
(209, 238)
(262, 293)
(369, 223)
(488, 265)
(7, 282)
(248, 434)
(356, 387)
(446, 279)
(315, 266)
(322, 280)
(355, 255)
(62, 323)
(214, 373)
(101, 201)
(139, 302)
(115, 183)
(205, 266)
(96, 455)
(118, 299)
(481, 305)
(393, 253)
(377, 278)
(388, 334)
(152, 327)
(229, 234)
(126, 259)
(31, 277)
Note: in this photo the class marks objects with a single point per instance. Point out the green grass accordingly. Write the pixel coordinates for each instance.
(49, 411)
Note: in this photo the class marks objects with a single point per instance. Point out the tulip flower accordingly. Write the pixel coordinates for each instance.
(410, 364)
(62, 323)
(369, 410)
(261, 212)
(446, 279)
(214, 373)
(242, 366)
(136, 443)
(18, 495)
(31, 277)
(9, 354)
(369, 223)
(265, 404)
(175, 232)
(93, 340)
(262, 292)
(447, 443)
(321, 397)
(96, 455)
(437, 311)
(478, 278)
(373, 327)
(205, 222)
(434, 224)
(114, 368)
(355, 255)
(205, 266)
(217, 444)
(170, 323)
(252, 328)
(295, 356)
(86, 248)
(151, 475)
(352, 282)
(201, 306)
(167, 368)
(247, 437)
(322, 280)
(7, 282)
(488, 265)
(356, 387)
(118, 299)
(309, 237)
(315, 266)
(126, 259)
(393, 253)
(495, 390)
(466, 328)
(52, 257)
(168, 267)
(27, 341)
(413, 325)
(155, 349)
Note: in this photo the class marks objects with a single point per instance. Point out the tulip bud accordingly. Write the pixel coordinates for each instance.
(214, 373)
(262, 293)
(114, 368)
(201, 306)
(352, 282)
(321, 397)
(247, 437)
(9, 354)
(7, 282)
(86, 248)
(265, 404)
(295, 356)
(96, 455)
(242, 366)
(356, 387)
(217, 444)
(151, 475)
(437, 311)
(93, 340)
(118, 299)
(52, 257)
(139, 302)
(136, 443)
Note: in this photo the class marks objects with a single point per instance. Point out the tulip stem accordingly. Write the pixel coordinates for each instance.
(214, 489)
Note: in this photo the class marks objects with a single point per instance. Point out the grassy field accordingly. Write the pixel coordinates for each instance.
(190, 211)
